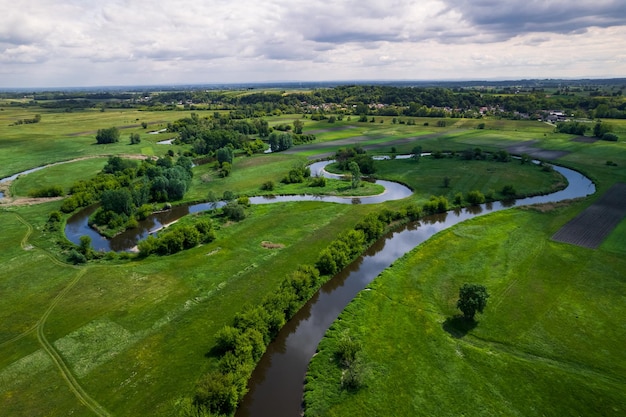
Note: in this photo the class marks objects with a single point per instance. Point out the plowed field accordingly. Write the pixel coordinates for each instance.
(593, 225)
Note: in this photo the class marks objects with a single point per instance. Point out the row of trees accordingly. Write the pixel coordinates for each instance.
(178, 237)
(601, 130)
(240, 345)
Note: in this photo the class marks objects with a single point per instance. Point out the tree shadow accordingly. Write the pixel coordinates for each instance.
(458, 326)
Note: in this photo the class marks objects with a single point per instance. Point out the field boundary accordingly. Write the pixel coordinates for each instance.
(595, 223)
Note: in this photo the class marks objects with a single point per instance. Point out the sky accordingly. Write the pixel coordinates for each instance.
(81, 43)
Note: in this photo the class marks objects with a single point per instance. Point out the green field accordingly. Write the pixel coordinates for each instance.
(550, 341)
(130, 337)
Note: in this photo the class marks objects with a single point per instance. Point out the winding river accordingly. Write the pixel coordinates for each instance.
(276, 385)
(77, 225)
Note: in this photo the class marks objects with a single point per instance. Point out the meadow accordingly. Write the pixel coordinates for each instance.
(129, 337)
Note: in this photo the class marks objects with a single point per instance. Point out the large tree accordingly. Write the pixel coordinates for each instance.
(472, 299)
(110, 135)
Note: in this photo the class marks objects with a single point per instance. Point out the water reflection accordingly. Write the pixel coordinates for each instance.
(277, 389)
(78, 226)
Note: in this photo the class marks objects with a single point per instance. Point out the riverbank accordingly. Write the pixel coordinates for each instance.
(535, 348)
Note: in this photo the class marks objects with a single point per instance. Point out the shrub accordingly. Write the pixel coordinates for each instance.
(76, 257)
(436, 205)
(268, 186)
(475, 197)
(317, 182)
(347, 349)
(51, 191)
(611, 137)
(234, 211)
(508, 191)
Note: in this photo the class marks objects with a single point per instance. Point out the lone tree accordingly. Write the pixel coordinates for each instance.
(472, 299)
(356, 174)
(110, 135)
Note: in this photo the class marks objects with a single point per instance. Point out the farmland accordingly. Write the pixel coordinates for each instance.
(121, 335)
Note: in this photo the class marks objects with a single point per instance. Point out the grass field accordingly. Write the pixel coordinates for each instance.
(129, 338)
(550, 341)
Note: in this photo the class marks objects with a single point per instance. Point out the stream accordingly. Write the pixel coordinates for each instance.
(276, 387)
(77, 225)
(277, 383)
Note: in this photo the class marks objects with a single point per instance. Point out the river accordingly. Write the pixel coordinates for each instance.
(77, 225)
(276, 387)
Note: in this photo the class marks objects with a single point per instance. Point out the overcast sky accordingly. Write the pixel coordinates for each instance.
(64, 43)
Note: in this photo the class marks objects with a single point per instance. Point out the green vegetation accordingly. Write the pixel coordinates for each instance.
(88, 333)
(535, 347)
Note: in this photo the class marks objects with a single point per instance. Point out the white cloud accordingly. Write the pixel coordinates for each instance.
(113, 42)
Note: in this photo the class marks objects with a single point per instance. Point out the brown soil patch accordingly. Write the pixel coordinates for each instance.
(594, 224)
(529, 148)
(584, 139)
(270, 245)
(330, 129)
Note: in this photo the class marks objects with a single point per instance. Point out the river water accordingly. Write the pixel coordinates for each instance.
(77, 225)
(276, 387)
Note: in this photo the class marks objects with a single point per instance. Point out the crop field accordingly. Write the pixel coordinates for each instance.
(128, 336)
(591, 227)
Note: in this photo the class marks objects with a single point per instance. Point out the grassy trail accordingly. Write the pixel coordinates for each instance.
(48, 347)
(66, 373)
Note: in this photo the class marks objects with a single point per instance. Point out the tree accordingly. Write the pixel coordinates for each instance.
(417, 153)
(85, 246)
(110, 135)
(298, 125)
(118, 201)
(356, 174)
(472, 299)
(225, 154)
(600, 129)
(135, 138)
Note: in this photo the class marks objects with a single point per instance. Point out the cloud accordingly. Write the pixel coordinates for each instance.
(506, 19)
(118, 41)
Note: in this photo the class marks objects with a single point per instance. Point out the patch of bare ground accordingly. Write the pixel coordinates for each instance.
(594, 224)
(584, 139)
(270, 245)
(330, 129)
(529, 148)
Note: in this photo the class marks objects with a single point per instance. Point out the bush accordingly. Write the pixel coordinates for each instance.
(436, 205)
(347, 349)
(611, 137)
(508, 191)
(51, 191)
(110, 135)
(76, 257)
(234, 211)
(475, 197)
(268, 186)
(317, 182)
